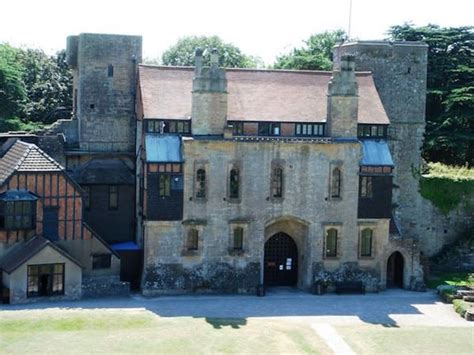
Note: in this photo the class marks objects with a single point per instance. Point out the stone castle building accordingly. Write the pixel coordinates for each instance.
(209, 179)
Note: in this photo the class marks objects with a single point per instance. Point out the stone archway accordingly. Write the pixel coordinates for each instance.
(280, 261)
(395, 270)
(297, 230)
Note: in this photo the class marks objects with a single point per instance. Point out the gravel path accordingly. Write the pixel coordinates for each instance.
(389, 308)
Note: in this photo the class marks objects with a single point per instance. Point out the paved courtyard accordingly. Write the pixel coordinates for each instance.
(286, 318)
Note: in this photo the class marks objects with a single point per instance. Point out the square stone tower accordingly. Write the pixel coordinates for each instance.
(105, 79)
(399, 70)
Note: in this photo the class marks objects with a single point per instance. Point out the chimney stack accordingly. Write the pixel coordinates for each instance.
(209, 105)
(343, 100)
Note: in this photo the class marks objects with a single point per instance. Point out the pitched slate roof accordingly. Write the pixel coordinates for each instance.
(104, 171)
(24, 157)
(23, 252)
(255, 95)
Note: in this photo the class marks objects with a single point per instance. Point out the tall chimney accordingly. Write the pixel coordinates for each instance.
(343, 100)
(209, 103)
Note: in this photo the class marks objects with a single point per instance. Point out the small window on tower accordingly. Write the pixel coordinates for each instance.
(113, 197)
(110, 71)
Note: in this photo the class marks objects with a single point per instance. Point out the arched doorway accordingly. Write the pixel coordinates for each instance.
(280, 261)
(395, 270)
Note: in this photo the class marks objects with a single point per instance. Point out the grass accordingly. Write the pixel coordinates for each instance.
(450, 278)
(373, 339)
(140, 331)
(447, 186)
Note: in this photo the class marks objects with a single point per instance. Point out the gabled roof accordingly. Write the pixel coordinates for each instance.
(24, 157)
(104, 171)
(255, 95)
(23, 252)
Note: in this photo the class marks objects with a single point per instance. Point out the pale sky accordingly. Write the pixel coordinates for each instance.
(264, 28)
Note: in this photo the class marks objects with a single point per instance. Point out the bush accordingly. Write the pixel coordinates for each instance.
(461, 307)
(446, 186)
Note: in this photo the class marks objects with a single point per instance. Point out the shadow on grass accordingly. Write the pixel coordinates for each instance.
(234, 323)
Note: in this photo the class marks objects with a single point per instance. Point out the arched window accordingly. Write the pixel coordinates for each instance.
(192, 243)
(277, 182)
(366, 242)
(234, 183)
(336, 183)
(238, 238)
(331, 243)
(201, 183)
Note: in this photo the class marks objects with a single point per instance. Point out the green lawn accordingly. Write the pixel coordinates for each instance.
(108, 331)
(376, 339)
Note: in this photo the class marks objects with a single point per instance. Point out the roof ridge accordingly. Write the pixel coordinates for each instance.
(260, 70)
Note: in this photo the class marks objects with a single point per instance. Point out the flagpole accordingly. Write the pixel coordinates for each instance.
(350, 20)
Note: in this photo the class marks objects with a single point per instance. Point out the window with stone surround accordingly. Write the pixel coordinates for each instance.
(331, 243)
(277, 182)
(366, 240)
(238, 238)
(234, 183)
(192, 241)
(201, 183)
(336, 183)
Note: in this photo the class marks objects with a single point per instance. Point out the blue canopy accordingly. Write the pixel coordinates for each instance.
(376, 153)
(163, 148)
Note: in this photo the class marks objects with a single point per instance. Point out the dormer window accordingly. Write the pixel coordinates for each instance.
(17, 210)
(268, 129)
(372, 131)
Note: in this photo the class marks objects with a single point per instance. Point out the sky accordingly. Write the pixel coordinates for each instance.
(265, 28)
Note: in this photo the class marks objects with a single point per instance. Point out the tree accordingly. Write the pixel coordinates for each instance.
(12, 88)
(48, 83)
(182, 53)
(316, 54)
(32, 85)
(449, 134)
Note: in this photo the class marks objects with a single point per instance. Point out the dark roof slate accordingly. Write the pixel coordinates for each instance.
(23, 157)
(21, 253)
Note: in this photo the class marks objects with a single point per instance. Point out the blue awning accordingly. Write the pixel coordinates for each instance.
(18, 195)
(163, 148)
(376, 153)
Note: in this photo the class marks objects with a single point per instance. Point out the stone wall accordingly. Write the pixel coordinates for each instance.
(104, 287)
(305, 212)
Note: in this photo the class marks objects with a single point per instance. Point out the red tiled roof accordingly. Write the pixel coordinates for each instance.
(23, 157)
(255, 95)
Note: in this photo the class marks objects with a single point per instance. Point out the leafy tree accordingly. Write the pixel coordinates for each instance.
(316, 54)
(450, 100)
(48, 82)
(182, 53)
(32, 85)
(12, 88)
